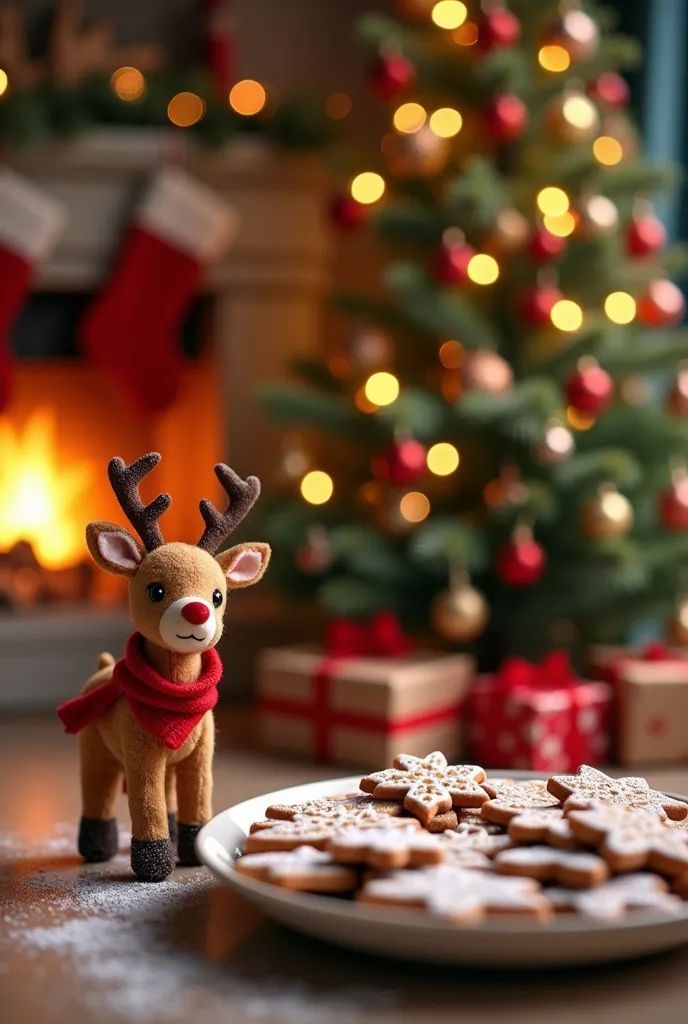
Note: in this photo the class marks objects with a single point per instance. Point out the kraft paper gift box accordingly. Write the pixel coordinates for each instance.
(362, 710)
(603, 660)
(652, 716)
(541, 717)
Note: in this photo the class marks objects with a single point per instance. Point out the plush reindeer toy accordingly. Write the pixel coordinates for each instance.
(148, 718)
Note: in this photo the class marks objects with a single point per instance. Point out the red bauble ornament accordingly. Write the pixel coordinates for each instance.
(506, 117)
(590, 388)
(536, 304)
(391, 75)
(673, 504)
(345, 212)
(544, 246)
(451, 263)
(677, 399)
(662, 305)
(610, 89)
(521, 561)
(401, 463)
(646, 236)
(498, 28)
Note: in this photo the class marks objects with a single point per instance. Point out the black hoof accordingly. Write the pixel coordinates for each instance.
(98, 839)
(187, 838)
(172, 825)
(152, 860)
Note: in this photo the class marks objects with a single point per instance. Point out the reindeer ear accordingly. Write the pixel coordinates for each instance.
(244, 564)
(113, 548)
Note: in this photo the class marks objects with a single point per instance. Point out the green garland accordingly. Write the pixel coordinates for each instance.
(38, 115)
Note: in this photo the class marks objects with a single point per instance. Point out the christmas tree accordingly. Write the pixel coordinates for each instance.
(497, 463)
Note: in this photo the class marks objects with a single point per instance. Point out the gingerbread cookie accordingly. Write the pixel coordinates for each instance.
(428, 786)
(458, 843)
(572, 868)
(546, 825)
(472, 820)
(614, 898)
(305, 869)
(680, 886)
(313, 831)
(441, 822)
(386, 848)
(355, 805)
(630, 839)
(511, 800)
(576, 791)
(457, 895)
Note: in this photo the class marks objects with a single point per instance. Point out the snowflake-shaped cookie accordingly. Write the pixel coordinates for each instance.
(615, 897)
(314, 831)
(590, 784)
(572, 868)
(511, 800)
(387, 848)
(305, 869)
(428, 786)
(458, 895)
(353, 804)
(546, 825)
(630, 839)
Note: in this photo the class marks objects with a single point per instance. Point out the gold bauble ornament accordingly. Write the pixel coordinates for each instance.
(459, 613)
(486, 371)
(678, 624)
(572, 116)
(420, 154)
(607, 515)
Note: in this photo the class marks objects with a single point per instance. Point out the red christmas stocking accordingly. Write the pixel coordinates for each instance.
(131, 330)
(30, 224)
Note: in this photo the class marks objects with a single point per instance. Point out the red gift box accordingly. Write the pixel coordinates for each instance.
(540, 717)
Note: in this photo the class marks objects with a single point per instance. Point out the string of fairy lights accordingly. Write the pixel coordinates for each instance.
(184, 109)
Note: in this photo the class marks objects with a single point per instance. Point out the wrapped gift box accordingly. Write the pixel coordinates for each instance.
(652, 715)
(540, 717)
(603, 660)
(362, 709)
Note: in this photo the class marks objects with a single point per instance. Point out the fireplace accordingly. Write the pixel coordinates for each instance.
(259, 308)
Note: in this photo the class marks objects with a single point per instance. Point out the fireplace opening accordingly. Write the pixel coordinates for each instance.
(57, 435)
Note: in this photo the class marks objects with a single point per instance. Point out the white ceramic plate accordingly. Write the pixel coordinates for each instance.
(414, 935)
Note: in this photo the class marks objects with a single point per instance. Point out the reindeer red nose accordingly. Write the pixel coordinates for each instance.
(195, 612)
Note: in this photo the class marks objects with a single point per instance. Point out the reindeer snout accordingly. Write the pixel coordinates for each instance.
(195, 612)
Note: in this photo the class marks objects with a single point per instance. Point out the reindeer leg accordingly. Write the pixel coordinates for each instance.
(101, 784)
(171, 801)
(152, 855)
(195, 789)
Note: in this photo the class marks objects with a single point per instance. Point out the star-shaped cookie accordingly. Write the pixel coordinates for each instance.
(576, 791)
(428, 786)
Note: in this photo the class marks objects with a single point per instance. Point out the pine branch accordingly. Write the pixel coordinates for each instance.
(628, 179)
(585, 342)
(521, 414)
(587, 471)
(290, 404)
(646, 354)
(369, 554)
(432, 309)
(477, 194)
(315, 371)
(409, 222)
(443, 542)
(421, 414)
(355, 598)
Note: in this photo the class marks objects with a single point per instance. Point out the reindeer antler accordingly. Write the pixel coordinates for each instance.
(125, 482)
(242, 495)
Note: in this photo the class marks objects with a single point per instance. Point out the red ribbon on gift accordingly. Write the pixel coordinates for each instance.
(552, 672)
(380, 637)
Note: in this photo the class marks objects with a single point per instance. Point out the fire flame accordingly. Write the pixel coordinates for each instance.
(38, 497)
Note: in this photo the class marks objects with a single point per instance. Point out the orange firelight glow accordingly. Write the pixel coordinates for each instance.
(39, 497)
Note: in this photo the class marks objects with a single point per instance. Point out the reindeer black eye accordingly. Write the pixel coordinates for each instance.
(156, 591)
(217, 598)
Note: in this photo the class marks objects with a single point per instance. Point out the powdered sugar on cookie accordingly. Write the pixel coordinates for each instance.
(428, 786)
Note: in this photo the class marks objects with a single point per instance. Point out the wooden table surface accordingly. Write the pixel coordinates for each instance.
(90, 944)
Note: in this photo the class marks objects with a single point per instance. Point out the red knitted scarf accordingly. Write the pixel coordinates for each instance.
(168, 711)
